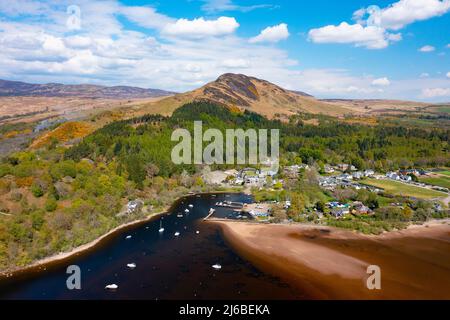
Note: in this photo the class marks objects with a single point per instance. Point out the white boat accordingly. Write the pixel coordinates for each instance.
(128, 237)
(197, 232)
(187, 210)
(217, 266)
(112, 287)
(191, 206)
(177, 234)
(161, 229)
(131, 265)
(180, 215)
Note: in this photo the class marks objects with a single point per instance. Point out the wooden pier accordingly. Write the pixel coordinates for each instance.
(211, 212)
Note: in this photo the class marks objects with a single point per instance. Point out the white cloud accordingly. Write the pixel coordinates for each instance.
(272, 34)
(448, 75)
(427, 48)
(23, 7)
(373, 23)
(371, 37)
(78, 41)
(424, 75)
(199, 28)
(214, 6)
(53, 45)
(448, 46)
(381, 82)
(235, 63)
(404, 12)
(146, 17)
(435, 92)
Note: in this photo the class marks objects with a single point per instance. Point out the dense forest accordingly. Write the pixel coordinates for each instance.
(146, 140)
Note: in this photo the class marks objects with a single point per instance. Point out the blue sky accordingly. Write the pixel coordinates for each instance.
(331, 49)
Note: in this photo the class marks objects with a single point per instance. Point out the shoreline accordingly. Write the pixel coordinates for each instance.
(331, 263)
(63, 256)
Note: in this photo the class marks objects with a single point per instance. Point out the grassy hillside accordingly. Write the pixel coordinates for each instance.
(247, 93)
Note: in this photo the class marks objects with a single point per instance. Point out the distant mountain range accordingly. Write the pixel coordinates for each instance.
(236, 91)
(17, 88)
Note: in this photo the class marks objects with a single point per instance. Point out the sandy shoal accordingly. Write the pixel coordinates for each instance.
(331, 263)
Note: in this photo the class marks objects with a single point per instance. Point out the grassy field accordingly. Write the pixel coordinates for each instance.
(444, 173)
(402, 189)
(442, 181)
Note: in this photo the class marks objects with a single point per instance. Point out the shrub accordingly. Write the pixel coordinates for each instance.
(63, 169)
(37, 190)
(5, 169)
(51, 204)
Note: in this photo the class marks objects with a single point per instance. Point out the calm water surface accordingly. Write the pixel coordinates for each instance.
(167, 267)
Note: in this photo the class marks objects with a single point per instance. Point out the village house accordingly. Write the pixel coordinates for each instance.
(357, 175)
(134, 206)
(393, 175)
(369, 173)
(328, 169)
(345, 167)
(252, 180)
(267, 172)
(358, 208)
(339, 212)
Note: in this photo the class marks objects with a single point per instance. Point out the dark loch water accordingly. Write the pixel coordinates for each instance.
(167, 267)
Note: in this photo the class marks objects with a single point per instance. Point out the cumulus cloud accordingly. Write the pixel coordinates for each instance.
(435, 92)
(199, 28)
(272, 34)
(371, 37)
(381, 82)
(404, 12)
(374, 25)
(448, 75)
(427, 48)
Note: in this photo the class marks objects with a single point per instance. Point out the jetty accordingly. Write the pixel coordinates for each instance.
(211, 212)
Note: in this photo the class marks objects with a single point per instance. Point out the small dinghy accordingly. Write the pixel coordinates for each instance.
(191, 206)
(177, 234)
(180, 215)
(197, 232)
(131, 265)
(161, 229)
(217, 266)
(187, 210)
(128, 237)
(111, 287)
